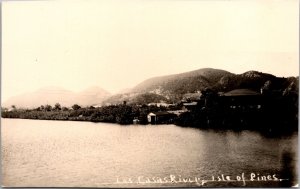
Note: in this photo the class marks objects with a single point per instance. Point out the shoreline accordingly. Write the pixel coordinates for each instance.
(275, 132)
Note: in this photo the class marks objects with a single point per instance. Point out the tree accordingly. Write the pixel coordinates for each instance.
(13, 107)
(57, 106)
(124, 114)
(76, 107)
(48, 108)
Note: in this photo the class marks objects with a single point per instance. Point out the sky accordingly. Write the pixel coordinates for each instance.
(117, 44)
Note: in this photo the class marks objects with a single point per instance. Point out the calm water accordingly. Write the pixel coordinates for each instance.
(64, 153)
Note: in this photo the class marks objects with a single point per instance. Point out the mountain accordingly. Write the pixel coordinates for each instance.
(91, 96)
(172, 88)
(254, 80)
(53, 95)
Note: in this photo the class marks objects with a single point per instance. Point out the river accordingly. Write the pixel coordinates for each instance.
(84, 154)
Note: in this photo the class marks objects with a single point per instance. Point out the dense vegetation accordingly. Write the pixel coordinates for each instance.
(122, 114)
(268, 113)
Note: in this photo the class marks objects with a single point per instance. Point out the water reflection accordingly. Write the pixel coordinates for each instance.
(83, 154)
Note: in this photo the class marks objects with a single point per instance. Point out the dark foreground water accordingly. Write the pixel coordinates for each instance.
(64, 153)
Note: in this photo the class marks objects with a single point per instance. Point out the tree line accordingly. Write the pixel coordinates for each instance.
(268, 112)
(121, 113)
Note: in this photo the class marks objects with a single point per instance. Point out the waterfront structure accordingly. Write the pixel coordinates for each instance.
(161, 117)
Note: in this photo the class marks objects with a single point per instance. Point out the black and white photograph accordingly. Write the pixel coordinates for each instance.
(149, 93)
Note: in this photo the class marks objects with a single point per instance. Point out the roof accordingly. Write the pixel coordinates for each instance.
(190, 103)
(241, 92)
(160, 113)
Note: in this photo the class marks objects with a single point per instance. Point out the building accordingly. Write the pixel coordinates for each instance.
(189, 105)
(241, 99)
(160, 104)
(177, 112)
(161, 117)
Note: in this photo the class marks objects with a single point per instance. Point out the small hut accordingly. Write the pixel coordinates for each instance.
(161, 117)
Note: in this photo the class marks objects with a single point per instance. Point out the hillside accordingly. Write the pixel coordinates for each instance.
(52, 95)
(174, 86)
(254, 80)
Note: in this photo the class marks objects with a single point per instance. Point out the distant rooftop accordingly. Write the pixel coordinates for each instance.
(160, 113)
(190, 104)
(241, 92)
